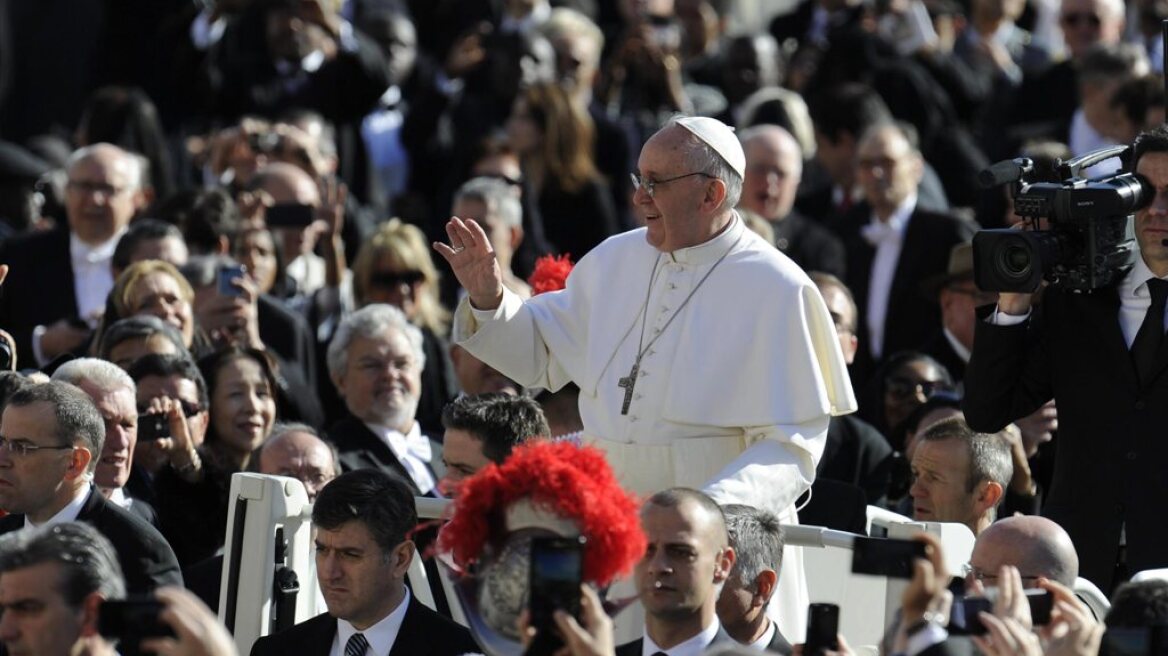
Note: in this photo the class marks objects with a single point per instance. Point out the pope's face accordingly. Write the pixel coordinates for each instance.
(671, 213)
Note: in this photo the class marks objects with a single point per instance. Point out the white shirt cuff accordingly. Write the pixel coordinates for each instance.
(999, 318)
(925, 638)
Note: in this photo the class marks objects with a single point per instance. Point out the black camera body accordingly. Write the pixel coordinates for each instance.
(1089, 243)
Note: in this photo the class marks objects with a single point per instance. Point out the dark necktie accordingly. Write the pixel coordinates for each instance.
(1151, 334)
(357, 645)
(659, 653)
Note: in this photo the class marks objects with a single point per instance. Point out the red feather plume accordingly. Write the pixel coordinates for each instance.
(550, 274)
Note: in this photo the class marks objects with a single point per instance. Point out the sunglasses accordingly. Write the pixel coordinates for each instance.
(387, 279)
(189, 409)
(902, 388)
(1075, 19)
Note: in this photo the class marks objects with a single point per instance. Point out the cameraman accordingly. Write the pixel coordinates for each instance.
(1098, 356)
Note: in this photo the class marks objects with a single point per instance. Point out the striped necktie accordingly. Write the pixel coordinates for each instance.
(356, 645)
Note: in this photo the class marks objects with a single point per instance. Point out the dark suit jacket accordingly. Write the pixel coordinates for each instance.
(779, 644)
(423, 633)
(39, 287)
(634, 648)
(856, 453)
(360, 448)
(910, 318)
(942, 351)
(1111, 457)
(146, 558)
(809, 244)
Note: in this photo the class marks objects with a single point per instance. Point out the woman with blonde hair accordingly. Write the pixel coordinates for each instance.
(554, 139)
(155, 288)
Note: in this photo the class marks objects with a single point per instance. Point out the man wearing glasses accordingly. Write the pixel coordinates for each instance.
(705, 357)
(49, 435)
(104, 191)
(1037, 546)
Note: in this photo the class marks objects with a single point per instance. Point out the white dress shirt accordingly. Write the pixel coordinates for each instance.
(92, 277)
(888, 238)
(67, 514)
(695, 646)
(959, 349)
(412, 450)
(380, 636)
(762, 643)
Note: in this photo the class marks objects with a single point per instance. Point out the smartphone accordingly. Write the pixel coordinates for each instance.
(1135, 641)
(130, 620)
(886, 556)
(226, 275)
(554, 584)
(153, 427)
(822, 629)
(964, 620)
(289, 215)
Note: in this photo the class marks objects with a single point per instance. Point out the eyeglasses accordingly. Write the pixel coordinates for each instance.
(1075, 19)
(969, 569)
(650, 186)
(87, 187)
(396, 278)
(21, 448)
(885, 163)
(902, 388)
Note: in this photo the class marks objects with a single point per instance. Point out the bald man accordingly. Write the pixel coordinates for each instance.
(57, 287)
(1035, 545)
(297, 451)
(774, 168)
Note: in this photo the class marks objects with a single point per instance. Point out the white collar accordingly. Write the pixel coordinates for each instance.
(1135, 283)
(382, 635)
(958, 348)
(412, 443)
(81, 252)
(71, 510)
(900, 216)
(692, 647)
(762, 643)
(712, 249)
(119, 498)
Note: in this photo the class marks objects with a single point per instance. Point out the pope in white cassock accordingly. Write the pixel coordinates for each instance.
(704, 356)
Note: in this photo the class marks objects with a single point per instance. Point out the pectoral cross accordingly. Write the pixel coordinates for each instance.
(628, 383)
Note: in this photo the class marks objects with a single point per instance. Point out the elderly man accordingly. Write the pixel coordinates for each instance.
(1035, 545)
(375, 361)
(53, 580)
(364, 520)
(50, 434)
(757, 539)
(492, 204)
(686, 563)
(774, 168)
(893, 244)
(959, 475)
(483, 429)
(103, 192)
(658, 327)
(297, 451)
(113, 393)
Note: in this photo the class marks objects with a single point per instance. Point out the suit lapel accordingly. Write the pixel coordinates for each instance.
(1101, 311)
(377, 451)
(413, 632)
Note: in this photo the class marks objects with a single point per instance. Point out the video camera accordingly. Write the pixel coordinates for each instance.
(1089, 243)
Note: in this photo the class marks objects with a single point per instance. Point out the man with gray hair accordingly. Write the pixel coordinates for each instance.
(757, 539)
(959, 475)
(102, 194)
(53, 580)
(704, 357)
(49, 434)
(115, 396)
(375, 361)
(492, 205)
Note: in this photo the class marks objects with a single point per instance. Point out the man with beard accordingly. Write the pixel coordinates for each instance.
(375, 361)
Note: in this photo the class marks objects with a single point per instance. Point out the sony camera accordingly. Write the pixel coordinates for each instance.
(1089, 243)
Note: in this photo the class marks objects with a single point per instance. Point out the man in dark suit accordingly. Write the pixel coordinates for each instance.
(893, 246)
(103, 192)
(774, 168)
(50, 434)
(1101, 357)
(375, 361)
(363, 551)
(757, 540)
(687, 560)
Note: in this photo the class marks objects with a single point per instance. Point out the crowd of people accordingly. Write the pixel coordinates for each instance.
(377, 245)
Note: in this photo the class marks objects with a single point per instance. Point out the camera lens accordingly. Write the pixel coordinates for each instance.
(1014, 260)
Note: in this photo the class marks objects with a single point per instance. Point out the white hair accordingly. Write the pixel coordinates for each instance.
(564, 21)
(105, 375)
(130, 163)
(496, 196)
(370, 322)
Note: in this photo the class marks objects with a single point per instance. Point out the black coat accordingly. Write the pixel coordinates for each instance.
(359, 448)
(423, 633)
(146, 558)
(634, 648)
(39, 287)
(1111, 457)
(911, 318)
(812, 246)
(856, 453)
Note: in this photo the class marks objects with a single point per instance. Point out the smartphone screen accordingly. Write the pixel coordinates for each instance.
(964, 620)
(289, 215)
(886, 556)
(556, 572)
(822, 629)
